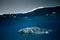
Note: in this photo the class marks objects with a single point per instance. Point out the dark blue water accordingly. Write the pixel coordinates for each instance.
(9, 27)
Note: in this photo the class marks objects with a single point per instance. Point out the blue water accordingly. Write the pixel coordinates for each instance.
(9, 25)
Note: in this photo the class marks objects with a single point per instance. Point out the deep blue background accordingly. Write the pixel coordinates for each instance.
(9, 25)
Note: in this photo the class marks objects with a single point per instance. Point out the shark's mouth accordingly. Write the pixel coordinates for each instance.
(34, 30)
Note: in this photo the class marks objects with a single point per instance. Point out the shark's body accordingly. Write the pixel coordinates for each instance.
(34, 30)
